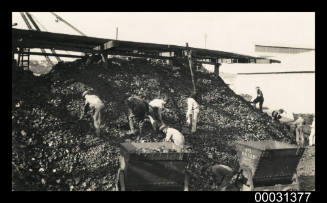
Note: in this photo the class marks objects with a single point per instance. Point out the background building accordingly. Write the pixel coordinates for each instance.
(289, 85)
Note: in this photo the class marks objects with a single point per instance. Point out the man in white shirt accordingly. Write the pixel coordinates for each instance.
(299, 131)
(157, 106)
(193, 109)
(173, 134)
(94, 102)
(312, 133)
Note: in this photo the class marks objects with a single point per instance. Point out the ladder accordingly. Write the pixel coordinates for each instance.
(30, 28)
(38, 29)
(24, 58)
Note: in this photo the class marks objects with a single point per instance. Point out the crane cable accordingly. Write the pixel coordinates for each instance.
(58, 18)
(67, 23)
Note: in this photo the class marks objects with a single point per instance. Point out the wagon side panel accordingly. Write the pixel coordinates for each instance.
(248, 157)
(276, 167)
(142, 174)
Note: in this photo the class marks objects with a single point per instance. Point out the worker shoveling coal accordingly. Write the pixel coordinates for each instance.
(173, 134)
(259, 99)
(94, 103)
(139, 111)
(226, 179)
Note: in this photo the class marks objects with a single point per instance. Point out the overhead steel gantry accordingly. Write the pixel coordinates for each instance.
(92, 45)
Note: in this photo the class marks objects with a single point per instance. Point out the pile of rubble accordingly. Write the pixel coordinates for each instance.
(53, 150)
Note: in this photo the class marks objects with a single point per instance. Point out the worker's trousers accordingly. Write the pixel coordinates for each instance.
(299, 136)
(97, 119)
(135, 120)
(260, 101)
(192, 119)
(312, 137)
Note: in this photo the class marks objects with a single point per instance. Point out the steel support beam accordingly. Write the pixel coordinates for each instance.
(51, 54)
(123, 53)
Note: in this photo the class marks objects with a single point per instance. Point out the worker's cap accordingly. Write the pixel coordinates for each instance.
(257, 87)
(163, 127)
(281, 110)
(86, 92)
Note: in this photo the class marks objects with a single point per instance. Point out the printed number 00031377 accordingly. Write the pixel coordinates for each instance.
(282, 196)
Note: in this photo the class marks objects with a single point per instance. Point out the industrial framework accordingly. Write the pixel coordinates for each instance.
(25, 52)
(24, 40)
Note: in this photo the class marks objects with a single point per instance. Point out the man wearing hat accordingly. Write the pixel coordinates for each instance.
(259, 99)
(94, 102)
(173, 134)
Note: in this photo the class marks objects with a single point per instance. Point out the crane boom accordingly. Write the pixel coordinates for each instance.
(30, 27)
(38, 29)
(39, 23)
(26, 21)
(70, 25)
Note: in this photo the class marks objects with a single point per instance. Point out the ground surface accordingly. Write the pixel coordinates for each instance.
(53, 150)
(306, 170)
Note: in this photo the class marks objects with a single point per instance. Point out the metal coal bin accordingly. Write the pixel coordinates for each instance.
(269, 165)
(152, 166)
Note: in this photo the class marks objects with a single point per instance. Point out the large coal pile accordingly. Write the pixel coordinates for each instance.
(53, 150)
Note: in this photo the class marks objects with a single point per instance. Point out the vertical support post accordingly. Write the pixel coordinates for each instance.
(28, 60)
(217, 65)
(189, 55)
(104, 57)
(12, 55)
(205, 40)
(19, 55)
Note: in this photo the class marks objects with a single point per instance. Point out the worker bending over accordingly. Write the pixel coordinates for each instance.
(222, 176)
(259, 99)
(138, 110)
(227, 179)
(94, 103)
(193, 109)
(277, 115)
(173, 134)
(157, 106)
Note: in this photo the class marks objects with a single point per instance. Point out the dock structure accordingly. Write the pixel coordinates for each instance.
(30, 39)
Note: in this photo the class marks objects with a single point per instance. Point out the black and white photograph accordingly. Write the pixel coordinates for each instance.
(163, 101)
